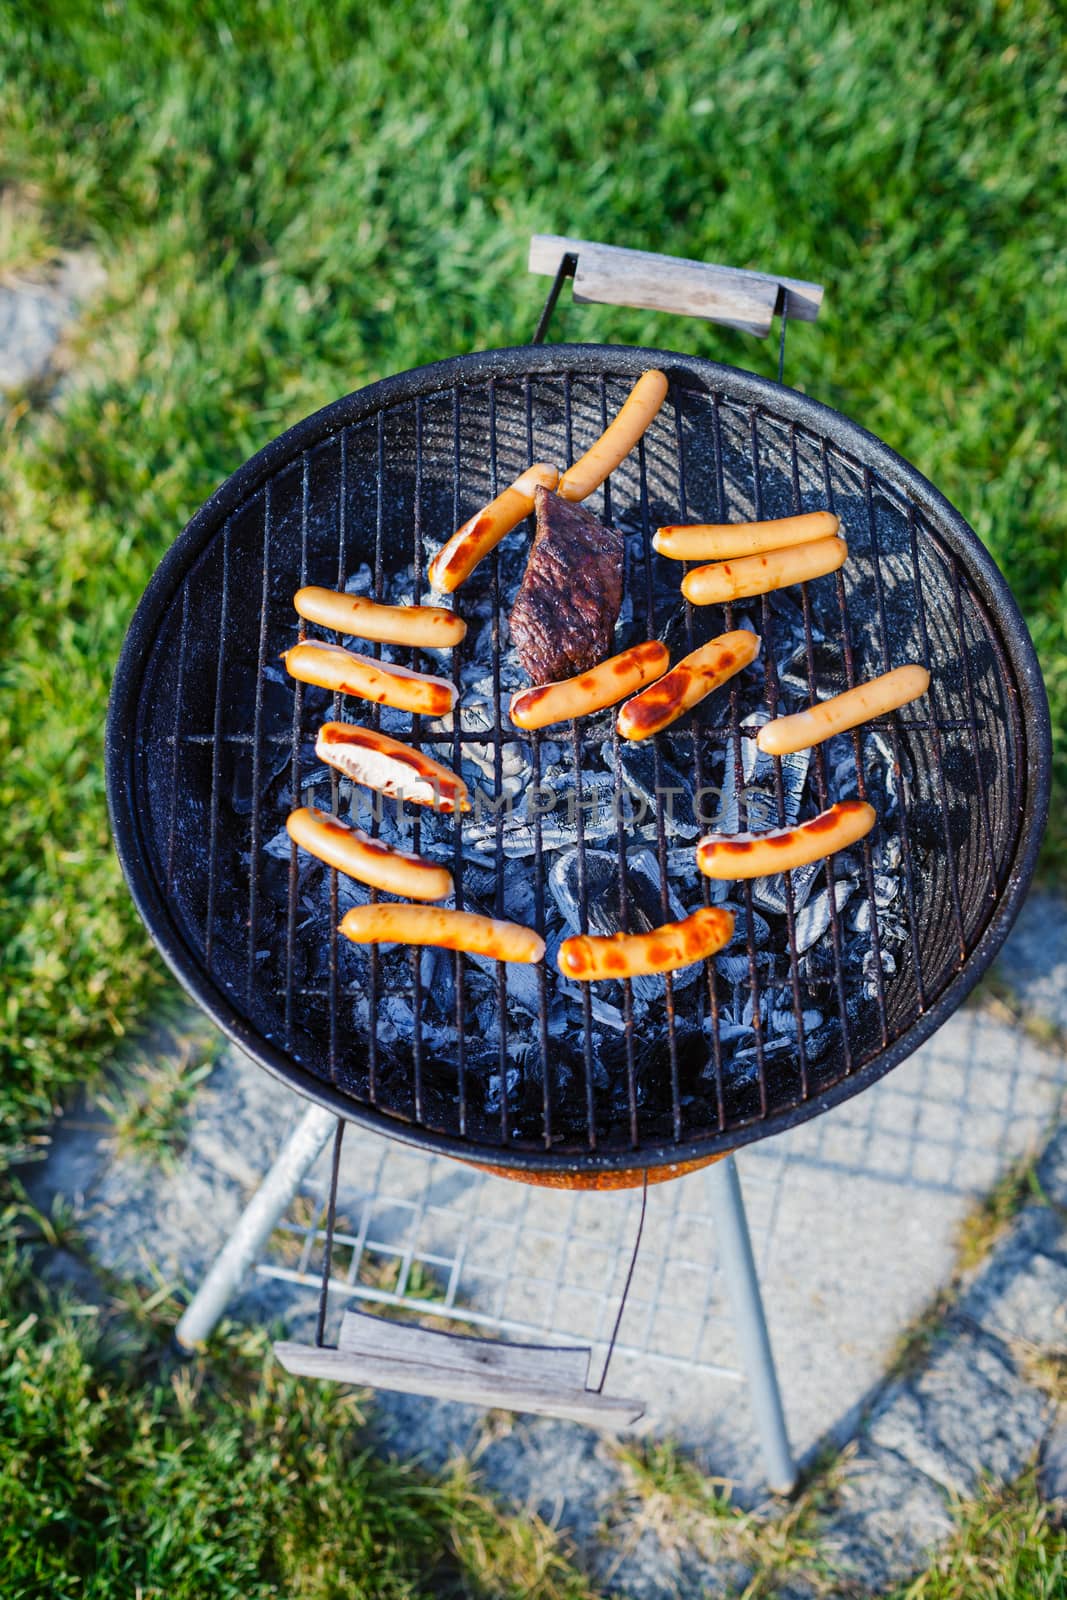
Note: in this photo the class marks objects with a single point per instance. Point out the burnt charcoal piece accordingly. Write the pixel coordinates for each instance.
(568, 603)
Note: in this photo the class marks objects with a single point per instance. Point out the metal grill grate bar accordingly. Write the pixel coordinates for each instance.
(739, 781)
(414, 661)
(972, 723)
(335, 909)
(294, 766)
(459, 964)
(257, 770)
(661, 834)
(894, 738)
(620, 846)
(179, 704)
(861, 782)
(710, 975)
(498, 783)
(939, 762)
(822, 787)
(583, 870)
(771, 695)
(216, 751)
(539, 866)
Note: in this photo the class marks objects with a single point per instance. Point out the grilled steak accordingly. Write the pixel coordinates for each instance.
(568, 602)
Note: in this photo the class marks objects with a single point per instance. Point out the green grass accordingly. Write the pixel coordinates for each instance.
(122, 1474)
(1008, 1545)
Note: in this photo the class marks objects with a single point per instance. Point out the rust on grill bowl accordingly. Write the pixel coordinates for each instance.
(627, 1178)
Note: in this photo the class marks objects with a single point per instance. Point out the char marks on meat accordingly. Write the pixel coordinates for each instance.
(568, 603)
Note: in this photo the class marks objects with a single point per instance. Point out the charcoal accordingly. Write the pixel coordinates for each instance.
(813, 921)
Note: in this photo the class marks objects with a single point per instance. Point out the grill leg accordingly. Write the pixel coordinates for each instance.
(254, 1227)
(739, 1266)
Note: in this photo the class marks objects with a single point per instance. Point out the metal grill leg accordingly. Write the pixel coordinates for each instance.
(739, 1267)
(254, 1227)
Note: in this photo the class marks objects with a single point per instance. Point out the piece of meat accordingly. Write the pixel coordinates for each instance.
(568, 602)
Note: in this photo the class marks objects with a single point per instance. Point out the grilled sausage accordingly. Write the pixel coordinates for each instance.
(453, 930)
(749, 575)
(393, 768)
(719, 541)
(423, 627)
(755, 855)
(456, 560)
(618, 438)
(692, 680)
(331, 666)
(603, 685)
(872, 699)
(631, 955)
(354, 852)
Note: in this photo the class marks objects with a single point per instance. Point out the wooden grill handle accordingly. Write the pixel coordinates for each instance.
(611, 275)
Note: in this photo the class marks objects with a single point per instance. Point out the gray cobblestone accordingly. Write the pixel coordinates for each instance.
(968, 1413)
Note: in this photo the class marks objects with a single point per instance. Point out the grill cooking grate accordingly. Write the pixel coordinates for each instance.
(211, 748)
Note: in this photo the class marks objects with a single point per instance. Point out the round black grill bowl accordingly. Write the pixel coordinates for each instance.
(208, 744)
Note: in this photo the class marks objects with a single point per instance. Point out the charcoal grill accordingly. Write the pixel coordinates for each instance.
(206, 754)
(208, 747)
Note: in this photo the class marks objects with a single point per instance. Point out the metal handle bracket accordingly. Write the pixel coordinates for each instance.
(731, 296)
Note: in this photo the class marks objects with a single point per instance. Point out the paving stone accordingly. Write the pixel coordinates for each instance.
(1038, 1229)
(889, 1516)
(1052, 1474)
(1052, 1170)
(967, 1413)
(1034, 959)
(1020, 1295)
(35, 315)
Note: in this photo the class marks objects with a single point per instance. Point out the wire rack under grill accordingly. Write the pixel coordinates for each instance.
(520, 1066)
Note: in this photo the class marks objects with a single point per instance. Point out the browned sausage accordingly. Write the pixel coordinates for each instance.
(331, 666)
(603, 685)
(456, 560)
(588, 957)
(756, 855)
(393, 768)
(692, 680)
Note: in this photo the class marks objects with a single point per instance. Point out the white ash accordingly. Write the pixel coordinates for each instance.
(737, 789)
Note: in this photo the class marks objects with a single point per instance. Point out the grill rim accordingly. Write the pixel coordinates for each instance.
(517, 362)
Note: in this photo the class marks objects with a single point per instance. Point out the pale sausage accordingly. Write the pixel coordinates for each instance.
(422, 627)
(618, 438)
(354, 852)
(453, 930)
(718, 541)
(872, 699)
(724, 581)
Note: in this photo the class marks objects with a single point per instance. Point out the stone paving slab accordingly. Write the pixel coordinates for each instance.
(1033, 963)
(855, 1217)
(36, 314)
